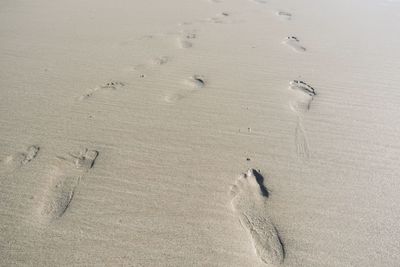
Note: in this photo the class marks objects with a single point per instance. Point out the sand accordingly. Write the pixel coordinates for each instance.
(199, 133)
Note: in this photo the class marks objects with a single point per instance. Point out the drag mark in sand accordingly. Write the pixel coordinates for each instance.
(295, 44)
(249, 203)
(63, 181)
(301, 142)
(17, 160)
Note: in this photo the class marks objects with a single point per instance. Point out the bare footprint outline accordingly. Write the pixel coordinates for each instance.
(303, 96)
(194, 83)
(111, 85)
(284, 15)
(249, 198)
(294, 43)
(19, 159)
(64, 177)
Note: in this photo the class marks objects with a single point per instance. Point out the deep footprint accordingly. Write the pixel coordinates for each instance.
(196, 81)
(295, 44)
(249, 203)
(304, 95)
(64, 179)
(19, 159)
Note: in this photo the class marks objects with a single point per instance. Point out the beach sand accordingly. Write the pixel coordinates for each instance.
(199, 133)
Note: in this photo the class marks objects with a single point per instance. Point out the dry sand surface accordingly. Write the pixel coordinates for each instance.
(199, 133)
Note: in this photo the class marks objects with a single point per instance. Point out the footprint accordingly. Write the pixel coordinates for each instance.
(219, 18)
(260, 1)
(196, 81)
(304, 95)
(184, 43)
(301, 142)
(302, 86)
(185, 40)
(174, 97)
(161, 60)
(114, 85)
(63, 181)
(249, 203)
(19, 159)
(284, 15)
(294, 43)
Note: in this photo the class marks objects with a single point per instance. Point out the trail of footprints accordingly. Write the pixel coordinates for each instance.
(303, 96)
(249, 194)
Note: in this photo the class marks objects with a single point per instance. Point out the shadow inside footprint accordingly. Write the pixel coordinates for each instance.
(196, 81)
(248, 202)
(260, 181)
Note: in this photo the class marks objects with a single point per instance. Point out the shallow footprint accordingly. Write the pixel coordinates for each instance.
(219, 18)
(249, 203)
(260, 1)
(304, 95)
(113, 85)
(284, 15)
(161, 60)
(294, 43)
(185, 40)
(19, 159)
(195, 82)
(182, 43)
(64, 178)
(174, 97)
